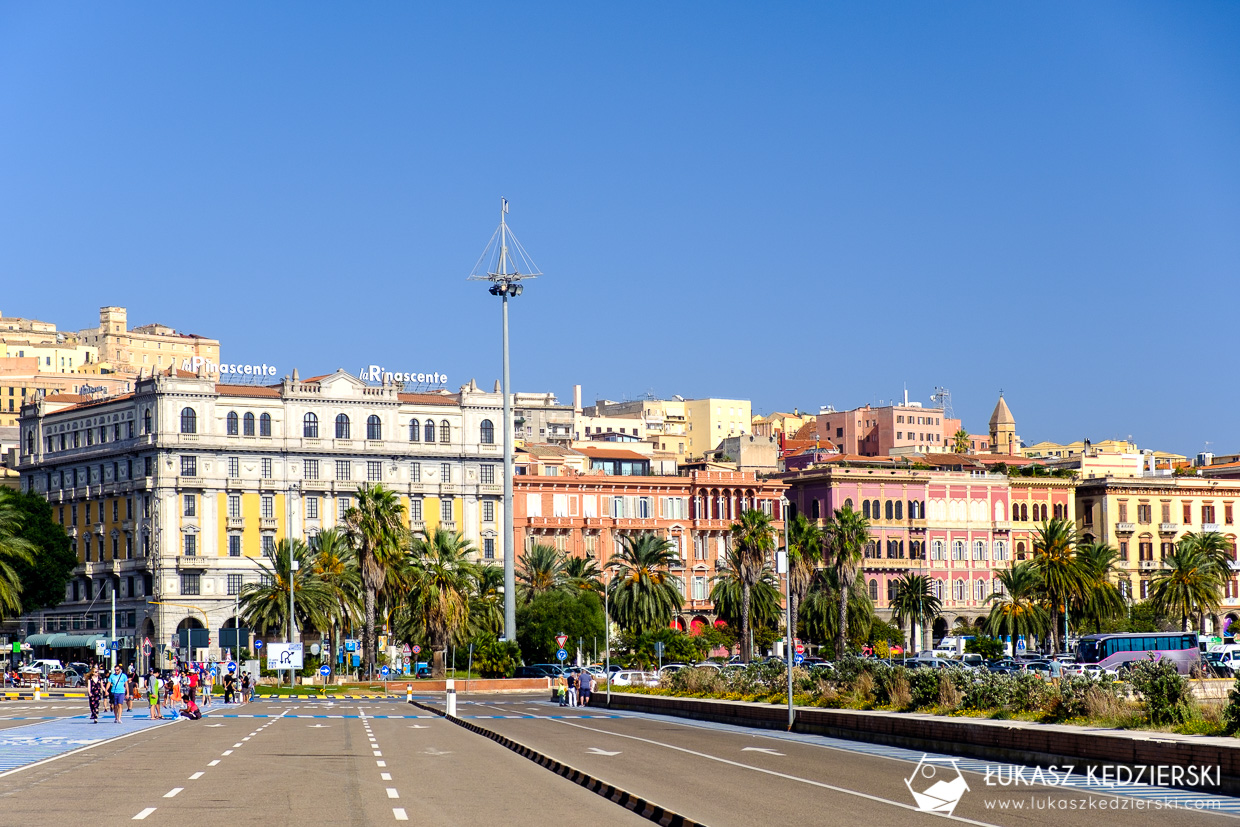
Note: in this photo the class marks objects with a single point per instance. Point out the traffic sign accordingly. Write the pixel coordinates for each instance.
(350, 645)
(232, 666)
(800, 649)
(17, 648)
(258, 644)
(215, 671)
(798, 659)
(116, 644)
(385, 671)
(562, 655)
(406, 650)
(325, 670)
(560, 640)
(417, 650)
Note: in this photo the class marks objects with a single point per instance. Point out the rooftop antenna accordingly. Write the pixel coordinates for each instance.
(943, 398)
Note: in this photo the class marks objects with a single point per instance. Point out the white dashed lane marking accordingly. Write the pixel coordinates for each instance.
(173, 792)
(196, 776)
(399, 813)
(142, 815)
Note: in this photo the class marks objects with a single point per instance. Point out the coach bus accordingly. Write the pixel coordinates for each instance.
(1118, 651)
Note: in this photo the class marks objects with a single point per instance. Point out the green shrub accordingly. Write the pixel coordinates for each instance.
(1167, 693)
(988, 647)
(1231, 712)
(923, 685)
(1028, 693)
(988, 690)
(695, 681)
(496, 659)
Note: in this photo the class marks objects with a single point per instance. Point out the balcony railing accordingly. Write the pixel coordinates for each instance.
(1168, 528)
(1209, 526)
(1125, 528)
(1147, 565)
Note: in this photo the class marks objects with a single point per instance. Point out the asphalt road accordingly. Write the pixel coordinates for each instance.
(730, 776)
(375, 762)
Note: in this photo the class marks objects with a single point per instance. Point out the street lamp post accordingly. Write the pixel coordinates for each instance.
(504, 263)
(293, 566)
(791, 633)
(607, 631)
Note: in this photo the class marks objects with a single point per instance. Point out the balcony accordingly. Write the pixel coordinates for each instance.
(191, 563)
(1168, 528)
(235, 482)
(487, 488)
(875, 563)
(1150, 565)
(1125, 528)
(1209, 526)
(1002, 525)
(235, 524)
(268, 523)
(189, 482)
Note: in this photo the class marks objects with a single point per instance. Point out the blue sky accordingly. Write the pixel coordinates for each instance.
(802, 204)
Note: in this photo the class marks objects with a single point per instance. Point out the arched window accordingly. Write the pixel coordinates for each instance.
(999, 512)
(980, 590)
(146, 421)
(486, 432)
(30, 446)
(959, 590)
(888, 513)
(936, 550)
(310, 426)
(232, 424)
(247, 424)
(875, 508)
(415, 430)
(865, 509)
(893, 588)
(958, 550)
(264, 425)
(814, 507)
(342, 426)
(428, 432)
(899, 509)
(445, 431)
(848, 503)
(979, 550)
(189, 421)
(874, 590)
(1000, 550)
(936, 588)
(374, 427)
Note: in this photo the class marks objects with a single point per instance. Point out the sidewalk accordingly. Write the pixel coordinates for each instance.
(24, 745)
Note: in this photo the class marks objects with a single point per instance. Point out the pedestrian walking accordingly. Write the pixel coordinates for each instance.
(94, 693)
(245, 688)
(561, 690)
(131, 689)
(572, 689)
(176, 691)
(153, 695)
(118, 685)
(584, 679)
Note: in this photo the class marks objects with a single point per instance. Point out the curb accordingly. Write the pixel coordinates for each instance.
(646, 809)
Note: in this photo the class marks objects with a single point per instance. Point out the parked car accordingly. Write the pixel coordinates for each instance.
(1102, 673)
(529, 672)
(634, 678)
(551, 670)
(669, 668)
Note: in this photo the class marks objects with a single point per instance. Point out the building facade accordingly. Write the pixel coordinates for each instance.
(145, 349)
(173, 492)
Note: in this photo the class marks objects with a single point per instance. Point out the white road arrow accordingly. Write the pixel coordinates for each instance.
(433, 751)
(214, 725)
(760, 749)
(418, 726)
(597, 751)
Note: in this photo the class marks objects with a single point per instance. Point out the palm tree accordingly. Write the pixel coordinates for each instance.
(376, 531)
(1016, 608)
(264, 605)
(820, 613)
(1213, 545)
(726, 593)
(643, 596)
(486, 600)
(753, 540)
(845, 536)
(13, 549)
(334, 562)
(804, 554)
(1100, 599)
(440, 577)
(583, 573)
(1059, 569)
(1189, 581)
(915, 602)
(960, 442)
(540, 571)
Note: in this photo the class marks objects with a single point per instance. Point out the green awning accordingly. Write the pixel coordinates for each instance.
(40, 640)
(75, 641)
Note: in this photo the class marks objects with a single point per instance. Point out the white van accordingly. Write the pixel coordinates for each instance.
(46, 665)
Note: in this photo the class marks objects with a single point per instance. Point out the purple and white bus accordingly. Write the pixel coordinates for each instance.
(1117, 651)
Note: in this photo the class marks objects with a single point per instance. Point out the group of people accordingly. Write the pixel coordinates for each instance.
(178, 692)
(575, 688)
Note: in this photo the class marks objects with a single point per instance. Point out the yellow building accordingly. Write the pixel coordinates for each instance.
(710, 421)
(779, 422)
(146, 349)
(1144, 517)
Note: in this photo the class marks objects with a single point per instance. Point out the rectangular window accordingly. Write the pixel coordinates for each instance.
(148, 466)
(1166, 512)
(343, 504)
(343, 469)
(374, 470)
(1123, 551)
(445, 510)
(1123, 512)
(191, 505)
(312, 469)
(234, 584)
(189, 466)
(1145, 513)
(415, 509)
(1207, 513)
(191, 545)
(190, 583)
(116, 510)
(234, 548)
(267, 504)
(129, 508)
(488, 511)
(445, 472)
(266, 467)
(234, 506)
(488, 475)
(1227, 514)
(234, 467)
(1188, 514)
(488, 548)
(415, 472)
(559, 505)
(269, 545)
(312, 508)
(533, 505)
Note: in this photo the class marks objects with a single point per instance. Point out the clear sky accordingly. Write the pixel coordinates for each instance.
(802, 204)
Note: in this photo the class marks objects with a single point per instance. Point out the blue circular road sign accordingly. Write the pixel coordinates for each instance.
(797, 659)
(385, 670)
(232, 666)
(215, 671)
(258, 644)
(562, 654)
(325, 670)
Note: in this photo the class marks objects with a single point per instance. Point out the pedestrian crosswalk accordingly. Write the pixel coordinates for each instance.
(24, 745)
